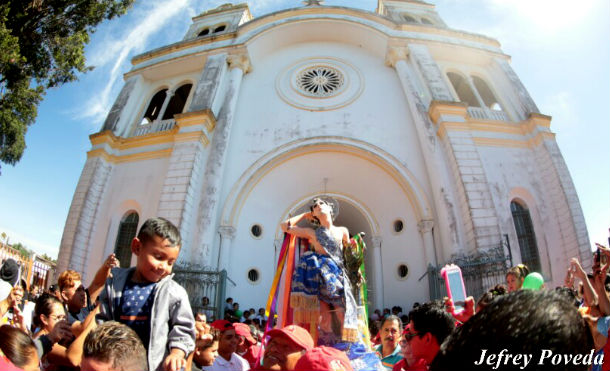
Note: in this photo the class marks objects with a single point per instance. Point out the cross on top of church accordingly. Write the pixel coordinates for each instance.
(313, 2)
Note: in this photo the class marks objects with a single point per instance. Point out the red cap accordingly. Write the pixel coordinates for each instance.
(297, 334)
(323, 359)
(222, 325)
(242, 329)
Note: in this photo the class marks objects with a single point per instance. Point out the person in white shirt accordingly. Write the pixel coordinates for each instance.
(261, 315)
(227, 359)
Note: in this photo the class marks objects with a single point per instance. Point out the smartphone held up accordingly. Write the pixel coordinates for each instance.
(454, 283)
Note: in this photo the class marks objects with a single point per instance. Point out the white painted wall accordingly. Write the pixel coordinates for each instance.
(132, 186)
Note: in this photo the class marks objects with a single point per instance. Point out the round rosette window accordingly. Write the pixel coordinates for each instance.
(319, 84)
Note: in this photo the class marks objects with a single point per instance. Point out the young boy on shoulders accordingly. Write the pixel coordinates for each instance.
(148, 300)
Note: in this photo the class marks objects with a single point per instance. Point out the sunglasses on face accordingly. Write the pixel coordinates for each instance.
(408, 336)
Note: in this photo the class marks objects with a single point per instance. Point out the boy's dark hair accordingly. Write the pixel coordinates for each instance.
(115, 342)
(162, 228)
(490, 295)
(521, 322)
(433, 318)
(229, 300)
(569, 294)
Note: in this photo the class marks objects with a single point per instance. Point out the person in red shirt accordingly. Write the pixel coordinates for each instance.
(247, 347)
(408, 362)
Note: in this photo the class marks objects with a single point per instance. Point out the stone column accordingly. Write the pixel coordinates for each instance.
(476, 94)
(206, 94)
(423, 61)
(425, 229)
(114, 116)
(526, 102)
(441, 187)
(239, 64)
(168, 96)
(227, 233)
(377, 272)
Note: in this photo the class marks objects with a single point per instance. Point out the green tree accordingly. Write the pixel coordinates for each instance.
(22, 249)
(42, 46)
(47, 257)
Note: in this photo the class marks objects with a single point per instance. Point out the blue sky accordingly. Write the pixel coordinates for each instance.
(560, 49)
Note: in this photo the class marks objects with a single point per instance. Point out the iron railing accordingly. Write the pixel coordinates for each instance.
(487, 114)
(154, 127)
(205, 283)
(480, 271)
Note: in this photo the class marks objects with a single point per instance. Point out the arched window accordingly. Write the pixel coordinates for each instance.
(127, 231)
(461, 87)
(204, 32)
(526, 236)
(486, 94)
(408, 18)
(176, 104)
(220, 28)
(154, 107)
(426, 21)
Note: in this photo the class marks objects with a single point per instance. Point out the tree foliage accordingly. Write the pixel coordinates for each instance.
(42, 46)
(22, 249)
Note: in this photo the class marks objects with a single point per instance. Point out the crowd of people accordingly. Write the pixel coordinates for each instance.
(139, 318)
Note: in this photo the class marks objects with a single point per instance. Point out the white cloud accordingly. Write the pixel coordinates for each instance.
(522, 24)
(563, 109)
(39, 247)
(546, 16)
(111, 57)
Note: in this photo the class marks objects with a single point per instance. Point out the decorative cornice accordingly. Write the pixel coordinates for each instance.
(205, 117)
(227, 231)
(425, 226)
(439, 108)
(395, 54)
(239, 60)
(117, 159)
(106, 143)
(288, 15)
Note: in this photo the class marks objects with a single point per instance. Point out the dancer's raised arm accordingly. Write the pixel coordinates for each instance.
(289, 226)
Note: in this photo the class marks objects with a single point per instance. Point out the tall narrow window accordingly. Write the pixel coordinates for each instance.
(526, 236)
(154, 107)
(127, 231)
(486, 94)
(463, 90)
(176, 104)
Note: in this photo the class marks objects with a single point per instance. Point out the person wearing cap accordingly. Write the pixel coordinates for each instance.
(9, 274)
(389, 350)
(285, 348)
(247, 347)
(227, 359)
(323, 359)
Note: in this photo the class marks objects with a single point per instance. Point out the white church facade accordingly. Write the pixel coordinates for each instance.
(424, 135)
